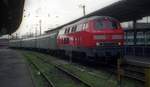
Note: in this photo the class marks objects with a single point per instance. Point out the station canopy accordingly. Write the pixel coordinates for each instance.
(10, 15)
(123, 10)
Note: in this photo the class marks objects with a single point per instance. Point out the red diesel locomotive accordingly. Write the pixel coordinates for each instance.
(97, 37)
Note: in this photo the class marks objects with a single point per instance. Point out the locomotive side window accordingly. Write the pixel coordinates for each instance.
(147, 37)
(140, 38)
(66, 31)
(72, 29)
(79, 27)
(75, 28)
(86, 25)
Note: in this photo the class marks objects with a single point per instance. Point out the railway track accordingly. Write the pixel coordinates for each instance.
(72, 75)
(134, 72)
(60, 71)
(50, 83)
(129, 71)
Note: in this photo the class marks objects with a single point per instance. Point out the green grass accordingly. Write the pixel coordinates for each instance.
(38, 81)
(57, 77)
(95, 78)
(101, 78)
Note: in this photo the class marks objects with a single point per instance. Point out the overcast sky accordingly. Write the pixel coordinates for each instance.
(54, 13)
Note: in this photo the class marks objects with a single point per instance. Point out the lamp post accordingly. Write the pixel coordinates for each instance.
(83, 7)
(40, 22)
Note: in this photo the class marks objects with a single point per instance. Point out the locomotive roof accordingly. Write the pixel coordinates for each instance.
(15, 40)
(88, 19)
(99, 17)
(77, 22)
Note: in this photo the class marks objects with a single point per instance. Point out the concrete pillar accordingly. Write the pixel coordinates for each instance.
(134, 27)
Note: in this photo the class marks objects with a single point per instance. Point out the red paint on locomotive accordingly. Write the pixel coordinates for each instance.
(91, 32)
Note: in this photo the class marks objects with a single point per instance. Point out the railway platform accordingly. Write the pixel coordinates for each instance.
(13, 70)
(138, 61)
(143, 62)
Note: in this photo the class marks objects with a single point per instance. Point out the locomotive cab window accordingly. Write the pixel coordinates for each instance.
(99, 24)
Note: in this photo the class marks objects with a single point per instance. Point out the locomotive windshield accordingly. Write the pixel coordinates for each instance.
(99, 24)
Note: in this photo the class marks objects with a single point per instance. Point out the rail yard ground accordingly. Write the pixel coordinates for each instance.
(55, 72)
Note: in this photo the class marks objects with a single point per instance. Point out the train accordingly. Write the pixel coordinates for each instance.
(96, 38)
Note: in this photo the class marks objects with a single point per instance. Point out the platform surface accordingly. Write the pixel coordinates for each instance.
(13, 70)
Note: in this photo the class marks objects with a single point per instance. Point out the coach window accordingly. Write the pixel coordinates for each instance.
(147, 37)
(140, 38)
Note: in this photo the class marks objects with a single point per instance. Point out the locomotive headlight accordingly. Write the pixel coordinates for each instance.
(97, 44)
(119, 43)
